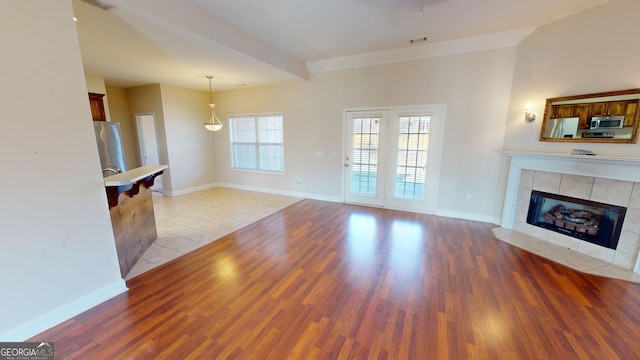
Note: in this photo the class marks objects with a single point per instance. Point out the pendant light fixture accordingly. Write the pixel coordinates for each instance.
(214, 123)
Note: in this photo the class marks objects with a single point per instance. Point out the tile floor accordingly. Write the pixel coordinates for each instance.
(187, 222)
(565, 256)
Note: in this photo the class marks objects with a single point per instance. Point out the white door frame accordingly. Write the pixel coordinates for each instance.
(436, 138)
(376, 199)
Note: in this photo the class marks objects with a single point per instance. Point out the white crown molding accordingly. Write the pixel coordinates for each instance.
(428, 50)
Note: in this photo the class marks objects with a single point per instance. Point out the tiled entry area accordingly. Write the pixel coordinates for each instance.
(190, 221)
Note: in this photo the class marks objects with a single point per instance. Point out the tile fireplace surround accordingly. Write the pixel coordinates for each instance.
(606, 179)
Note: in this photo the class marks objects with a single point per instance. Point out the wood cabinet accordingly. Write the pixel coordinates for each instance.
(583, 108)
(583, 112)
(610, 108)
(625, 108)
(562, 111)
(630, 113)
(97, 107)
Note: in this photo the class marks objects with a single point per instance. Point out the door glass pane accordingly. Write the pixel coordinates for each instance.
(364, 171)
(411, 171)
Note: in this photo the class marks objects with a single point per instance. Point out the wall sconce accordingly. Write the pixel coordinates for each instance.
(528, 116)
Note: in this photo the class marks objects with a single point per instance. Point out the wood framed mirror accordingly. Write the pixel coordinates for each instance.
(607, 117)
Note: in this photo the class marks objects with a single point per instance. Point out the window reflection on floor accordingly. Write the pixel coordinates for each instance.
(406, 245)
(362, 238)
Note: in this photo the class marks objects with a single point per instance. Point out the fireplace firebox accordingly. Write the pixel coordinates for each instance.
(587, 220)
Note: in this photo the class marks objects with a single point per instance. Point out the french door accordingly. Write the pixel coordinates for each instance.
(392, 157)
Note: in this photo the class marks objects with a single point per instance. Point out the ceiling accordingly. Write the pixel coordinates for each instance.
(247, 43)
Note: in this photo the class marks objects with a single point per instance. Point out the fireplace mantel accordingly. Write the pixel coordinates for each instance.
(607, 167)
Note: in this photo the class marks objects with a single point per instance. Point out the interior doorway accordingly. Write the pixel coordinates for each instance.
(392, 157)
(148, 144)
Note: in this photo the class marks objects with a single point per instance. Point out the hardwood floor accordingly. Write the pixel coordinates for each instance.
(334, 281)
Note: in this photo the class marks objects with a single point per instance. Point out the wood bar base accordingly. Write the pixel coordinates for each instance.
(134, 227)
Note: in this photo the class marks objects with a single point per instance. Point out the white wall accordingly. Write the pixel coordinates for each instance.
(58, 251)
(593, 51)
(475, 88)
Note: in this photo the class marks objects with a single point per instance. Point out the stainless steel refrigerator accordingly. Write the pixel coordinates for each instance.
(110, 147)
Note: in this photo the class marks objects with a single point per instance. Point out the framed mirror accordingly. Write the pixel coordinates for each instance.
(607, 117)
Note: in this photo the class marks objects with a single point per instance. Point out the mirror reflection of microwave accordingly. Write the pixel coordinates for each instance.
(606, 122)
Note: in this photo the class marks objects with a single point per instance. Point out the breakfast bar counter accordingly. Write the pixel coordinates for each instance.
(131, 211)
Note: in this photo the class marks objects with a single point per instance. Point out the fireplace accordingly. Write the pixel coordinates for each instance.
(603, 179)
(591, 221)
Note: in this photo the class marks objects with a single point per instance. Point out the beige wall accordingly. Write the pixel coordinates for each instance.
(183, 142)
(58, 250)
(119, 105)
(190, 147)
(475, 88)
(148, 100)
(593, 51)
(95, 84)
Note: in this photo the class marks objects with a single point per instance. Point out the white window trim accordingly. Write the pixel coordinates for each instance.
(257, 171)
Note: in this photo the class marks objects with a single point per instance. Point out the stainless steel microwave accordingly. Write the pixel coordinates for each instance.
(606, 122)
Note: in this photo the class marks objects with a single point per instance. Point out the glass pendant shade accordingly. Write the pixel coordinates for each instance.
(214, 123)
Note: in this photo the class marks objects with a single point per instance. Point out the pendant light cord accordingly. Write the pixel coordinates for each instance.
(210, 94)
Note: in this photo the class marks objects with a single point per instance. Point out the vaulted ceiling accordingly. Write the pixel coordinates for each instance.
(259, 42)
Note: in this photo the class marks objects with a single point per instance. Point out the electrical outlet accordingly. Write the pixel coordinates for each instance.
(468, 198)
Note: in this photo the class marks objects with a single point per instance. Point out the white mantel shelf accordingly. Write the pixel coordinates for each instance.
(132, 176)
(603, 166)
(634, 161)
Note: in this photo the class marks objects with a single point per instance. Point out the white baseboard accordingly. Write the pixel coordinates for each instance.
(469, 216)
(62, 313)
(445, 213)
(255, 188)
(189, 190)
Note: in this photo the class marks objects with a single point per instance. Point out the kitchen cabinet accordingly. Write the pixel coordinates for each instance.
(630, 113)
(583, 112)
(97, 107)
(562, 111)
(610, 108)
(584, 108)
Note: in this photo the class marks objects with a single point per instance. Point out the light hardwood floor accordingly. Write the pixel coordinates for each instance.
(335, 281)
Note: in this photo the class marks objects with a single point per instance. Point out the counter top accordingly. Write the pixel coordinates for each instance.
(131, 176)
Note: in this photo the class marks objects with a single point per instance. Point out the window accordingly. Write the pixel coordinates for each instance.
(413, 143)
(256, 142)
